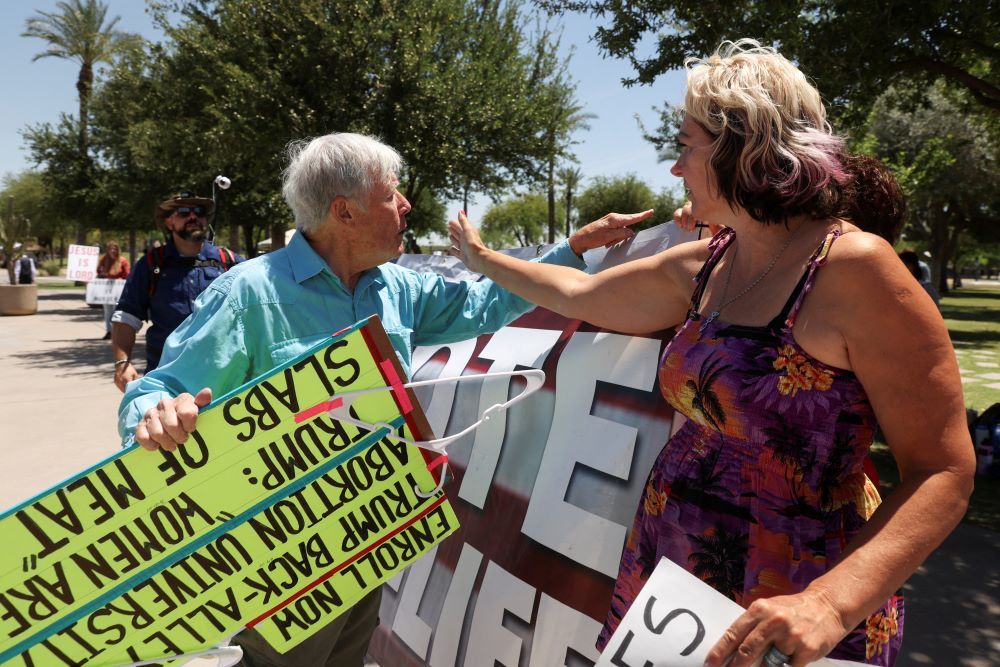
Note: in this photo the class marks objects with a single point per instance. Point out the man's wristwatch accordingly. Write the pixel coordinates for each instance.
(120, 362)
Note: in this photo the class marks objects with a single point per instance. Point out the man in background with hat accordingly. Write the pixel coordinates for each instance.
(162, 287)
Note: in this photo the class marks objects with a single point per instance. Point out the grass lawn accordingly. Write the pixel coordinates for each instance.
(972, 314)
(973, 318)
(984, 507)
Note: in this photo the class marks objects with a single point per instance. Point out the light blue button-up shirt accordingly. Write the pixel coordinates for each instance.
(269, 310)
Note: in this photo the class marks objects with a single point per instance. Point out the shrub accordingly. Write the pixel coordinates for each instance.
(50, 267)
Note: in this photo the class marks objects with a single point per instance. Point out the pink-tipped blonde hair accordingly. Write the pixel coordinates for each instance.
(773, 152)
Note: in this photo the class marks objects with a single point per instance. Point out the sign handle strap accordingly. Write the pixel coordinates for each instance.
(339, 406)
(227, 655)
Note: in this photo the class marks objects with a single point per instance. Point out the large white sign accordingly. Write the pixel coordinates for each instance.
(545, 492)
(674, 621)
(102, 290)
(82, 262)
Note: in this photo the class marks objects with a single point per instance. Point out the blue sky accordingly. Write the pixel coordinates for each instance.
(38, 91)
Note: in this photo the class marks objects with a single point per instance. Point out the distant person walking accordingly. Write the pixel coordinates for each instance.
(111, 266)
(162, 287)
(25, 270)
(917, 268)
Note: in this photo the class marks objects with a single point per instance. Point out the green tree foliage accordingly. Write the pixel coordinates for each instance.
(948, 163)
(625, 194)
(516, 222)
(666, 202)
(26, 213)
(37, 210)
(853, 49)
(428, 214)
(79, 31)
(13, 230)
(57, 146)
(563, 118)
(460, 87)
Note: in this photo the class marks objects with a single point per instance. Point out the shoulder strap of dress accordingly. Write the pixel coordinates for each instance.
(717, 248)
(818, 259)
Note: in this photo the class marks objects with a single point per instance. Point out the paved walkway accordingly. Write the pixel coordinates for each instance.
(58, 403)
(57, 416)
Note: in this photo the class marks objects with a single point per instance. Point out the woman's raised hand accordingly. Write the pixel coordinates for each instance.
(607, 231)
(465, 242)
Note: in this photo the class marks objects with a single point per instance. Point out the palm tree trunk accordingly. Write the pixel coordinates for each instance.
(569, 208)
(84, 83)
(552, 200)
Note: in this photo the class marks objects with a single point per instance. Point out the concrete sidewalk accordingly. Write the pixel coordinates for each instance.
(58, 410)
(58, 403)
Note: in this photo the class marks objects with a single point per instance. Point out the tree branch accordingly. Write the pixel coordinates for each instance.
(984, 91)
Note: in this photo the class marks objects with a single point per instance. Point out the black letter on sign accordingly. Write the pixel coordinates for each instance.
(699, 635)
(227, 414)
(616, 659)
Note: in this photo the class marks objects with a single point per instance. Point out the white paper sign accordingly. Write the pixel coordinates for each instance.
(101, 291)
(674, 621)
(82, 262)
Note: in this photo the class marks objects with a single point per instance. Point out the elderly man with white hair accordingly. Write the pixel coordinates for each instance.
(336, 270)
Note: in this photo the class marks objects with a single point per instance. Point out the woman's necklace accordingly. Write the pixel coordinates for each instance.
(725, 286)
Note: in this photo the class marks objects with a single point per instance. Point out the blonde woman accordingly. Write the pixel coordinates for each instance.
(798, 333)
(111, 266)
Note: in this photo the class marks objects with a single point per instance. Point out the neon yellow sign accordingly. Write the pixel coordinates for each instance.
(273, 515)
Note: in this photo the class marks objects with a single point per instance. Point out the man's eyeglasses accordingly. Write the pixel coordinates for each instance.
(185, 211)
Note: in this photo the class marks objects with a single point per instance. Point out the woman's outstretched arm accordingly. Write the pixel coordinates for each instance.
(644, 295)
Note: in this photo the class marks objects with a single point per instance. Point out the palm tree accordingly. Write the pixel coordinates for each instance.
(721, 562)
(570, 177)
(704, 399)
(791, 447)
(566, 116)
(566, 121)
(78, 31)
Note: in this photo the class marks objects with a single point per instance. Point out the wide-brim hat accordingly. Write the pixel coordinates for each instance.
(185, 199)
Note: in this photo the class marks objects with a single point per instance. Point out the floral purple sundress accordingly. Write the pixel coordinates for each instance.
(761, 489)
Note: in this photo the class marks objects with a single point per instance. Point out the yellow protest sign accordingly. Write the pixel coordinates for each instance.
(272, 515)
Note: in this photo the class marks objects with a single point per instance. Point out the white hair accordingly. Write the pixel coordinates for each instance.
(339, 164)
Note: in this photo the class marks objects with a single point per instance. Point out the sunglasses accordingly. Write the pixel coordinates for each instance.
(185, 211)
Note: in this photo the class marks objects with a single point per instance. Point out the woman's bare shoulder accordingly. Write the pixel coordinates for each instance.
(864, 278)
(860, 252)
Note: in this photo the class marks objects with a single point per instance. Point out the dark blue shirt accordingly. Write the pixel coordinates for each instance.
(180, 281)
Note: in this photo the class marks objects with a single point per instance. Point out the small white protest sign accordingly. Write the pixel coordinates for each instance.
(102, 290)
(81, 262)
(674, 621)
